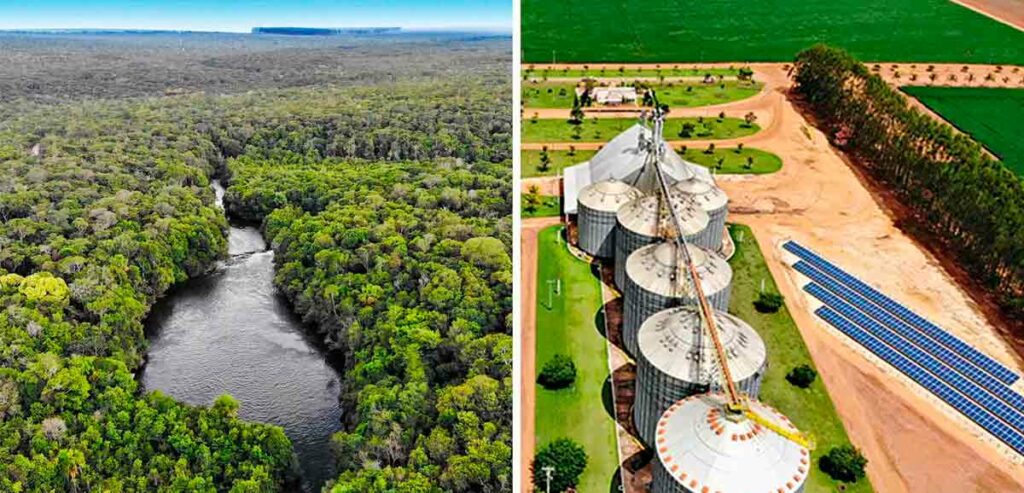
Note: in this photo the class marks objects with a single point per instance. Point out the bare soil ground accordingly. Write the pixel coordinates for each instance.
(1010, 12)
(528, 341)
(819, 200)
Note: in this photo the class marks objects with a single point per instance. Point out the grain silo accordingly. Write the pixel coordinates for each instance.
(702, 450)
(646, 220)
(676, 358)
(714, 201)
(598, 203)
(656, 280)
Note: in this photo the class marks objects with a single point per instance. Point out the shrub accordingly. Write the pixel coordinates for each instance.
(843, 463)
(568, 460)
(768, 302)
(802, 376)
(559, 372)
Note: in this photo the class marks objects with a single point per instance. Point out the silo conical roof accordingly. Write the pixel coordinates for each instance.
(650, 217)
(658, 269)
(704, 451)
(705, 192)
(608, 195)
(669, 339)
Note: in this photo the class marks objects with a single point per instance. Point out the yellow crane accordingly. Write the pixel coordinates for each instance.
(737, 407)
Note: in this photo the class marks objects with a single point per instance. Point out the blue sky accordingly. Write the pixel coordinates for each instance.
(237, 15)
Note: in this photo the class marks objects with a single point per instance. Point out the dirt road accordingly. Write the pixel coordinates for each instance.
(1009, 12)
(527, 331)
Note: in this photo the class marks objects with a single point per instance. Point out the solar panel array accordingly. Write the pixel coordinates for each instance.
(970, 409)
(980, 359)
(969, 381)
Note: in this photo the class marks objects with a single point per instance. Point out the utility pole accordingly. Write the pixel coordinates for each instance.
(548, 471)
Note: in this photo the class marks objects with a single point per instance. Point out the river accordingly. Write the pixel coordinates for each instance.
(231, 332)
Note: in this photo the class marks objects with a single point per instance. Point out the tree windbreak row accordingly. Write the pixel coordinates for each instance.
(969, 203)
(388, 209)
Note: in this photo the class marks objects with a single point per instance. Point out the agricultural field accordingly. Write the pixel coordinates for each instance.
(994, 117)
(675, 94)
(732, 160)
(559, 160)
(810, 409)
(531, 72)
(567, 324)
(603, 129)
(616, 31)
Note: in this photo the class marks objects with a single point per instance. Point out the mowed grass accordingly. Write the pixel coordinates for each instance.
(604, 129)
(812, 409)
(666, 71)
(734, 161)
(994, 117)
(673, 31)
(567, 324)
(546, 206)
(674, 94)
(560, 160)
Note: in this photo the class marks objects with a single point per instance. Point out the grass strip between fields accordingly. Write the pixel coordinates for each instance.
(604, 129)
(734, 161)
(568, 323)
(530, 72)
(546, 206)
(810, 409)
(675, 94)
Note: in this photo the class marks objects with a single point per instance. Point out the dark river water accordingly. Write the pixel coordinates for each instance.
(231, 332)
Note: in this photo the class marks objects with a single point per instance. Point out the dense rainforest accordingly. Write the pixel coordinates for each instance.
(968, 203)
(388, 208)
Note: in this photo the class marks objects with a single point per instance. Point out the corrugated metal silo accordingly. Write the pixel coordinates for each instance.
(714, 201)
(598, 203)
(646, 220)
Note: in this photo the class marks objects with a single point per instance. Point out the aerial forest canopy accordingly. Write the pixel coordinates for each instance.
(963, 200)
(388, 207)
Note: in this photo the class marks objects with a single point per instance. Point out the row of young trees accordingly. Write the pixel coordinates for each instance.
(105, 205)
(962, 198)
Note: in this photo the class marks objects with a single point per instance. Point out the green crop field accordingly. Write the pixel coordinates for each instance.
(734, 161)
(674, 94)
(811, 409)
(567, 324)
(604, 129)
(620, 31)
(993, 117)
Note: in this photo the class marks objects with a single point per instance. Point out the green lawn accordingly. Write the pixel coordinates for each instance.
(548, 94)
(674, 94)
(673, 31)
(666, 71)
(993, 117)
(559, 161)
(735, 162)
(812, 409)
(603, 129)
(568, 325)
(550, 205)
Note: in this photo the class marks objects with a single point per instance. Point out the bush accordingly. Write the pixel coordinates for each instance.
(843, 463)
(568, 460)
(768, 302)
(802, 376)
(559, 372)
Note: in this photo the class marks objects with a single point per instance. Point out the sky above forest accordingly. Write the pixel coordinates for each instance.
(241, 16)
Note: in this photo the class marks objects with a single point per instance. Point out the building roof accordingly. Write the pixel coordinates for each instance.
(706, 452)
(670, 340)
(623, 158)
(608, 195)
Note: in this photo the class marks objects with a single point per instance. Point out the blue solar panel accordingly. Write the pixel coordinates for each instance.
(950, 358)
(980, 359)
(920, 357)
(969, 408)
